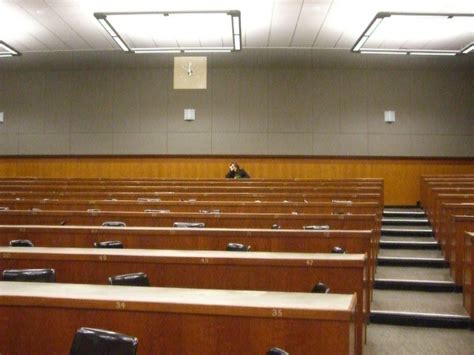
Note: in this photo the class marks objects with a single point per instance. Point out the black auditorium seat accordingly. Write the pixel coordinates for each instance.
(237, 247)
(135, 279)
(277, 351)
(21, 243)
(90, 341)
(114, 224)
(109, 244)
(30, 275)
(320, 288)
(317, 227)
(338, 250)
(189, 225)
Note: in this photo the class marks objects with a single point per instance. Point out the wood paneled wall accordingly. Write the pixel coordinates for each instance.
(402, 175)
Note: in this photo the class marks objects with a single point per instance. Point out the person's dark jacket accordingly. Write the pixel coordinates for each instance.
(239, 174)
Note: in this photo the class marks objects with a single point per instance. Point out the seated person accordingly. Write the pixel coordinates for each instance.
(235, 172)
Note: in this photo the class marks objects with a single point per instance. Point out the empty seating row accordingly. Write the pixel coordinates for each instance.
(335, 206)
(289, 272)
(174, 320)
(195, 196)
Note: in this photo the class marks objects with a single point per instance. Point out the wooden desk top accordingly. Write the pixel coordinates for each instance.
(464, 217)
(458, 204)
(185, 231)
(179, 300)
(187, 256)
(334, 203)
(114, 215)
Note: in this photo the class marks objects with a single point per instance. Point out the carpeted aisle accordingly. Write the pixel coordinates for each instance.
(393, 339)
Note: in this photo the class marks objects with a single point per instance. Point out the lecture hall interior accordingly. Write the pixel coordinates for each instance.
(261, 177)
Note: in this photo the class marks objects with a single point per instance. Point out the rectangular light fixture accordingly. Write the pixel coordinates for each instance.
(111, 31)
(360, 43)
(468, 49)
(414, 33)
(207, 50)
(383, 52)
(155, 51)
(433, 53)
(174, 31)
(7, 51)
(107, 27)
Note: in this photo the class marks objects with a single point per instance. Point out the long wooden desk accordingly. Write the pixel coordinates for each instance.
(194, 196)
(336, 207)
(175, 321)
(468, 278)
(275, 240)
(211, 220)
(289, 272)
(184, 182)
(206, 188)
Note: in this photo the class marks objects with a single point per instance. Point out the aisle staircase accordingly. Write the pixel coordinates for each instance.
(413, 285)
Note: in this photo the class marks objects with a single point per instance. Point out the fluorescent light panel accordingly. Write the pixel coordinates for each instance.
(155, 51)
(469, 48)
(121, 43)
(107, 27)
(207, 50)
(383, 52)
(433, 53)
(174, 32)
(7, 51)
(399, 31)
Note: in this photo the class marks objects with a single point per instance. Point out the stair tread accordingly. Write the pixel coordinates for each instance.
(419, 302)
(408, 220)
(404, 210)
(408, 227)
(399, 212)
(389, 238)
(409, 253)
(454, 341)
(413, 273)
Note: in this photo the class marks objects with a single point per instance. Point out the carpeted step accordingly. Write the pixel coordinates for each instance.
(413, 273)
(407, 212)
(411, 253)
(396, 244)
(420, 319)
(407, 261)
(405, 221)
(419, 309)
(394, 238)
(383, 339)
(416, 285)
(411, 231)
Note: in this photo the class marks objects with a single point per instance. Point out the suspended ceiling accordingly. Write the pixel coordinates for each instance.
(295, 31)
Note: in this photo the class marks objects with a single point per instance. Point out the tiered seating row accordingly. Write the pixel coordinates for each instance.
(174, 320)
(449, 203)
(285, 206)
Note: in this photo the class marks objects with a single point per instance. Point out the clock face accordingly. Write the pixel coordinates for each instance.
(190, 73)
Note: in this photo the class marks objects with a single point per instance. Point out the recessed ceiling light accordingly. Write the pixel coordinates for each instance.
(173, 32)
(417, 34)
(8, 51)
